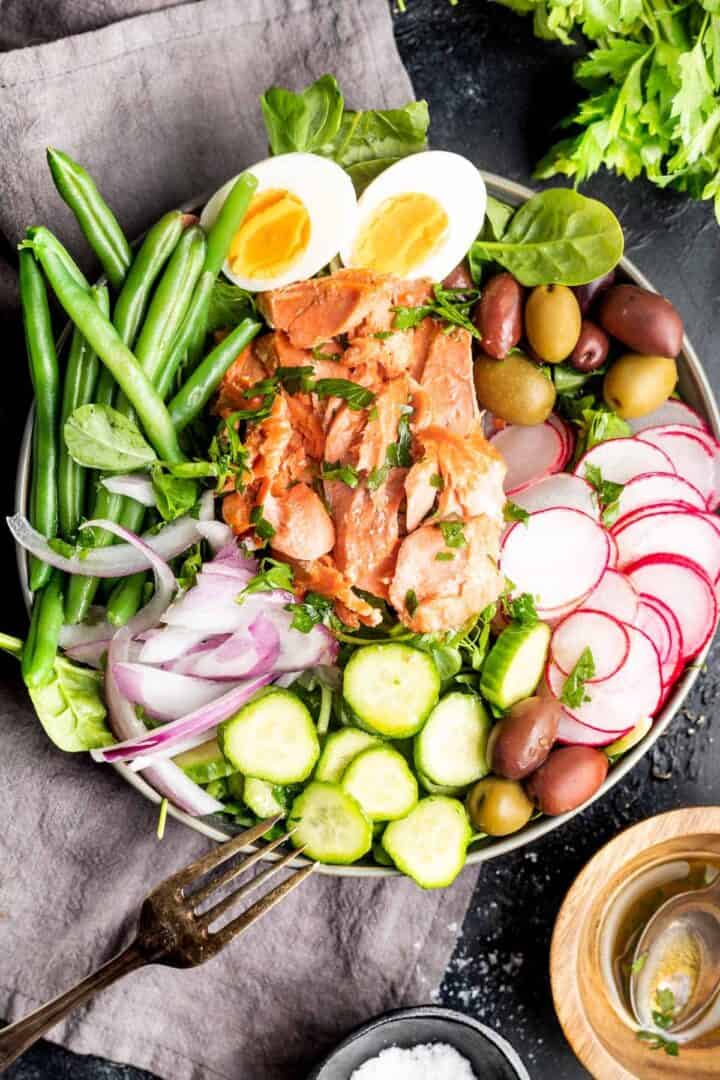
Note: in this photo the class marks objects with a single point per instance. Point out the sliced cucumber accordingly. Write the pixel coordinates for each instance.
(391, 688)
(437, 789)
(339, 750)
(515, 664)
(218, 789)
(330, 824)
(236, 786)
(262, 798)
(430, 843)
(272, 738)
(633, 737)
(204, 763)
(381, 781)
(451, 748)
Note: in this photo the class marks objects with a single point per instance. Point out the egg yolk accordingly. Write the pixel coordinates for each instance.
(401, 233)
(274, 233)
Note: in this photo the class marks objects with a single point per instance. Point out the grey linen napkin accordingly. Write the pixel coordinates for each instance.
(160, 107)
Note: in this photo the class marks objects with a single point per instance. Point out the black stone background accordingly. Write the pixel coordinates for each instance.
(496, 95)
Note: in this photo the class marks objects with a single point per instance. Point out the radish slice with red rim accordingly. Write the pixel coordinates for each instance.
(566, 433)
(672, 663)
(649, 489)
(561, 489)
(653, 623)
(614, 553)
(605, 636)
(572, 733)
(689, 452)
(670, 412)
(685, 588)
(615, 595)
(620, 460)
(620, 702)
(530, 453)
(540, 556)
(688, 533)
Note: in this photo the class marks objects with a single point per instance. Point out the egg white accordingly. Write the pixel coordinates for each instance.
(328, 195)
(453, 182)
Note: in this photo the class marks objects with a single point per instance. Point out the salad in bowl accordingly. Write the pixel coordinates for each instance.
(363, 501)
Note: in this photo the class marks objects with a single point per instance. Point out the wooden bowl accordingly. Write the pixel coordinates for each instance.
(587, 1006)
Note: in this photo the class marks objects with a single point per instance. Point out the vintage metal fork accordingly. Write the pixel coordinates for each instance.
(173, 928)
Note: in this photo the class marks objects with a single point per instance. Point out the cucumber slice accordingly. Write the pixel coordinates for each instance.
(515, 664)
(339, 750)
(437, 789)
(262, 798)
(272, 738)
(380, 855)
(330, 824)
(626, 742)
(451, 748)
(391, 688)
(381, 781)
(236, 786)
(430, 843)
(204, 763)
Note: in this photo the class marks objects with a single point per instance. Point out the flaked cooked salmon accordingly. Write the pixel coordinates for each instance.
(355, 496)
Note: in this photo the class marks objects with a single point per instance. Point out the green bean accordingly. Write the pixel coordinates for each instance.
(38, 657)
(80, 378)
(105, 340)
(195, 317)
(125, 599)
(81, 590)
(204, 381)
(94, 216)
(42, 359)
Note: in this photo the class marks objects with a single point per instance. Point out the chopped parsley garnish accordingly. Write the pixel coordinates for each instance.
(437, 481)
(356, 396)
(273, 575)
(411, 601)
(262, 526)
(608, 493)
(312, 610)
(450, 306)
(513, 512)
(296, 379)
(398, 454)
(453, 534)
(573, 692)
(373, 413)
(336, 471)
(445, 556)
(663, 1017)
(319, 354)
(383, 335)
(659, 1042)
(638, 963)
(520, 609)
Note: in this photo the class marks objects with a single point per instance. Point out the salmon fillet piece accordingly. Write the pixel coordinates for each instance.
(344, 434)
(303, 527)
(236, 510)
(367, 531)
(447, 594)
(403, 293)
(246, 370)
(381, 428)
(447, 378)
(322, 576)
(314, 311)
(385, 358)
(268, 444)
(275, 350)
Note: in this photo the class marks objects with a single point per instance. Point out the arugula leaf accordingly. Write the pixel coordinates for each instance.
(272, 575)
(304, 121)
(263, 528)
(356, 396)
(100, 437)
(453, 534)
(229, 305)
(608, 493)
(573, 691)
(174, 495)
(336, 471)
(513, 512)
(313, 609)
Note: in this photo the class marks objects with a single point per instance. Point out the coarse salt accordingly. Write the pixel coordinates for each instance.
(428, 1061)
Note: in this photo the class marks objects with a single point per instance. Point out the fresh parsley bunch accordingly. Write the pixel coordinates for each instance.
(653, 90)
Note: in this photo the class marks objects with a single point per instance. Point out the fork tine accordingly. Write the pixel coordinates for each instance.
(260, 908)
(218, 909)
(219, 854)
(197, 898)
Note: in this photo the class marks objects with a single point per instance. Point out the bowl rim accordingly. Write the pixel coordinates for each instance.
(507, 190)
(418, 1012)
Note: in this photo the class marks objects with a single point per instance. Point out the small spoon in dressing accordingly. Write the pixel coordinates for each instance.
(679, 950)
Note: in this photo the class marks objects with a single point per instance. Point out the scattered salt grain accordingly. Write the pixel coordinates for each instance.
(430, 1061)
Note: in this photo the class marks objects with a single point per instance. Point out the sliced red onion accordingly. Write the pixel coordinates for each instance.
(299, 651)
(89, 652)
(180, 747)
(201, 720)
(135, 486)
(242, 655)
(119, 560)
(217, 533)
(238, 556)
(212, 606)
(168, 644)
(286, 680)
(95, 628)
(165, 777)
(163, 694)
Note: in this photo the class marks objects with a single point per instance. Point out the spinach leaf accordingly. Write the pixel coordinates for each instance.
(229, 305)
(497, 216)
(304, 121)
(99, 437)
(174, 495)
(557, 237)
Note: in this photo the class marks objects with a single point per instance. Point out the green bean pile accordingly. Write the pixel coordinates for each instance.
(130, 360)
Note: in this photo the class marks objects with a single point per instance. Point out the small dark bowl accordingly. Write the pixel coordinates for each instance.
(489, 1055)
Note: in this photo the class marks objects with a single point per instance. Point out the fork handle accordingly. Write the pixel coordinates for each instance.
(17, 1037)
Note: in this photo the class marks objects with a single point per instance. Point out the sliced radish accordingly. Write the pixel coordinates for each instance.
(620, 702)
(672, 664)
(552, 616)
(690, 454)
(670, 412)
(566, 433)
(713, 448)
(562, 489)
(606, 638)
(686, 589)
(649, 489)
(688, 533)
(614, 553)
(557, 555)
(653, 623)
(615, 595)
(530, 453)
(620, 460)
(572, 733)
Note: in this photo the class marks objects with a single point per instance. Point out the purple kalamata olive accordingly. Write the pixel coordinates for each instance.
(460, 277)
(570, 776)
(644, 321)
(587, 294)
(520, 742)
(591, 350)
(498, 315)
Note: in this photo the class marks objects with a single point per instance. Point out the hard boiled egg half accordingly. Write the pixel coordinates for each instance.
(419, 217)
(301, 215)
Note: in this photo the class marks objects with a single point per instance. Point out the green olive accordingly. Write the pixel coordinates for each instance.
(514, 389)
(552, 322)
(498, 807)
(636, 385)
